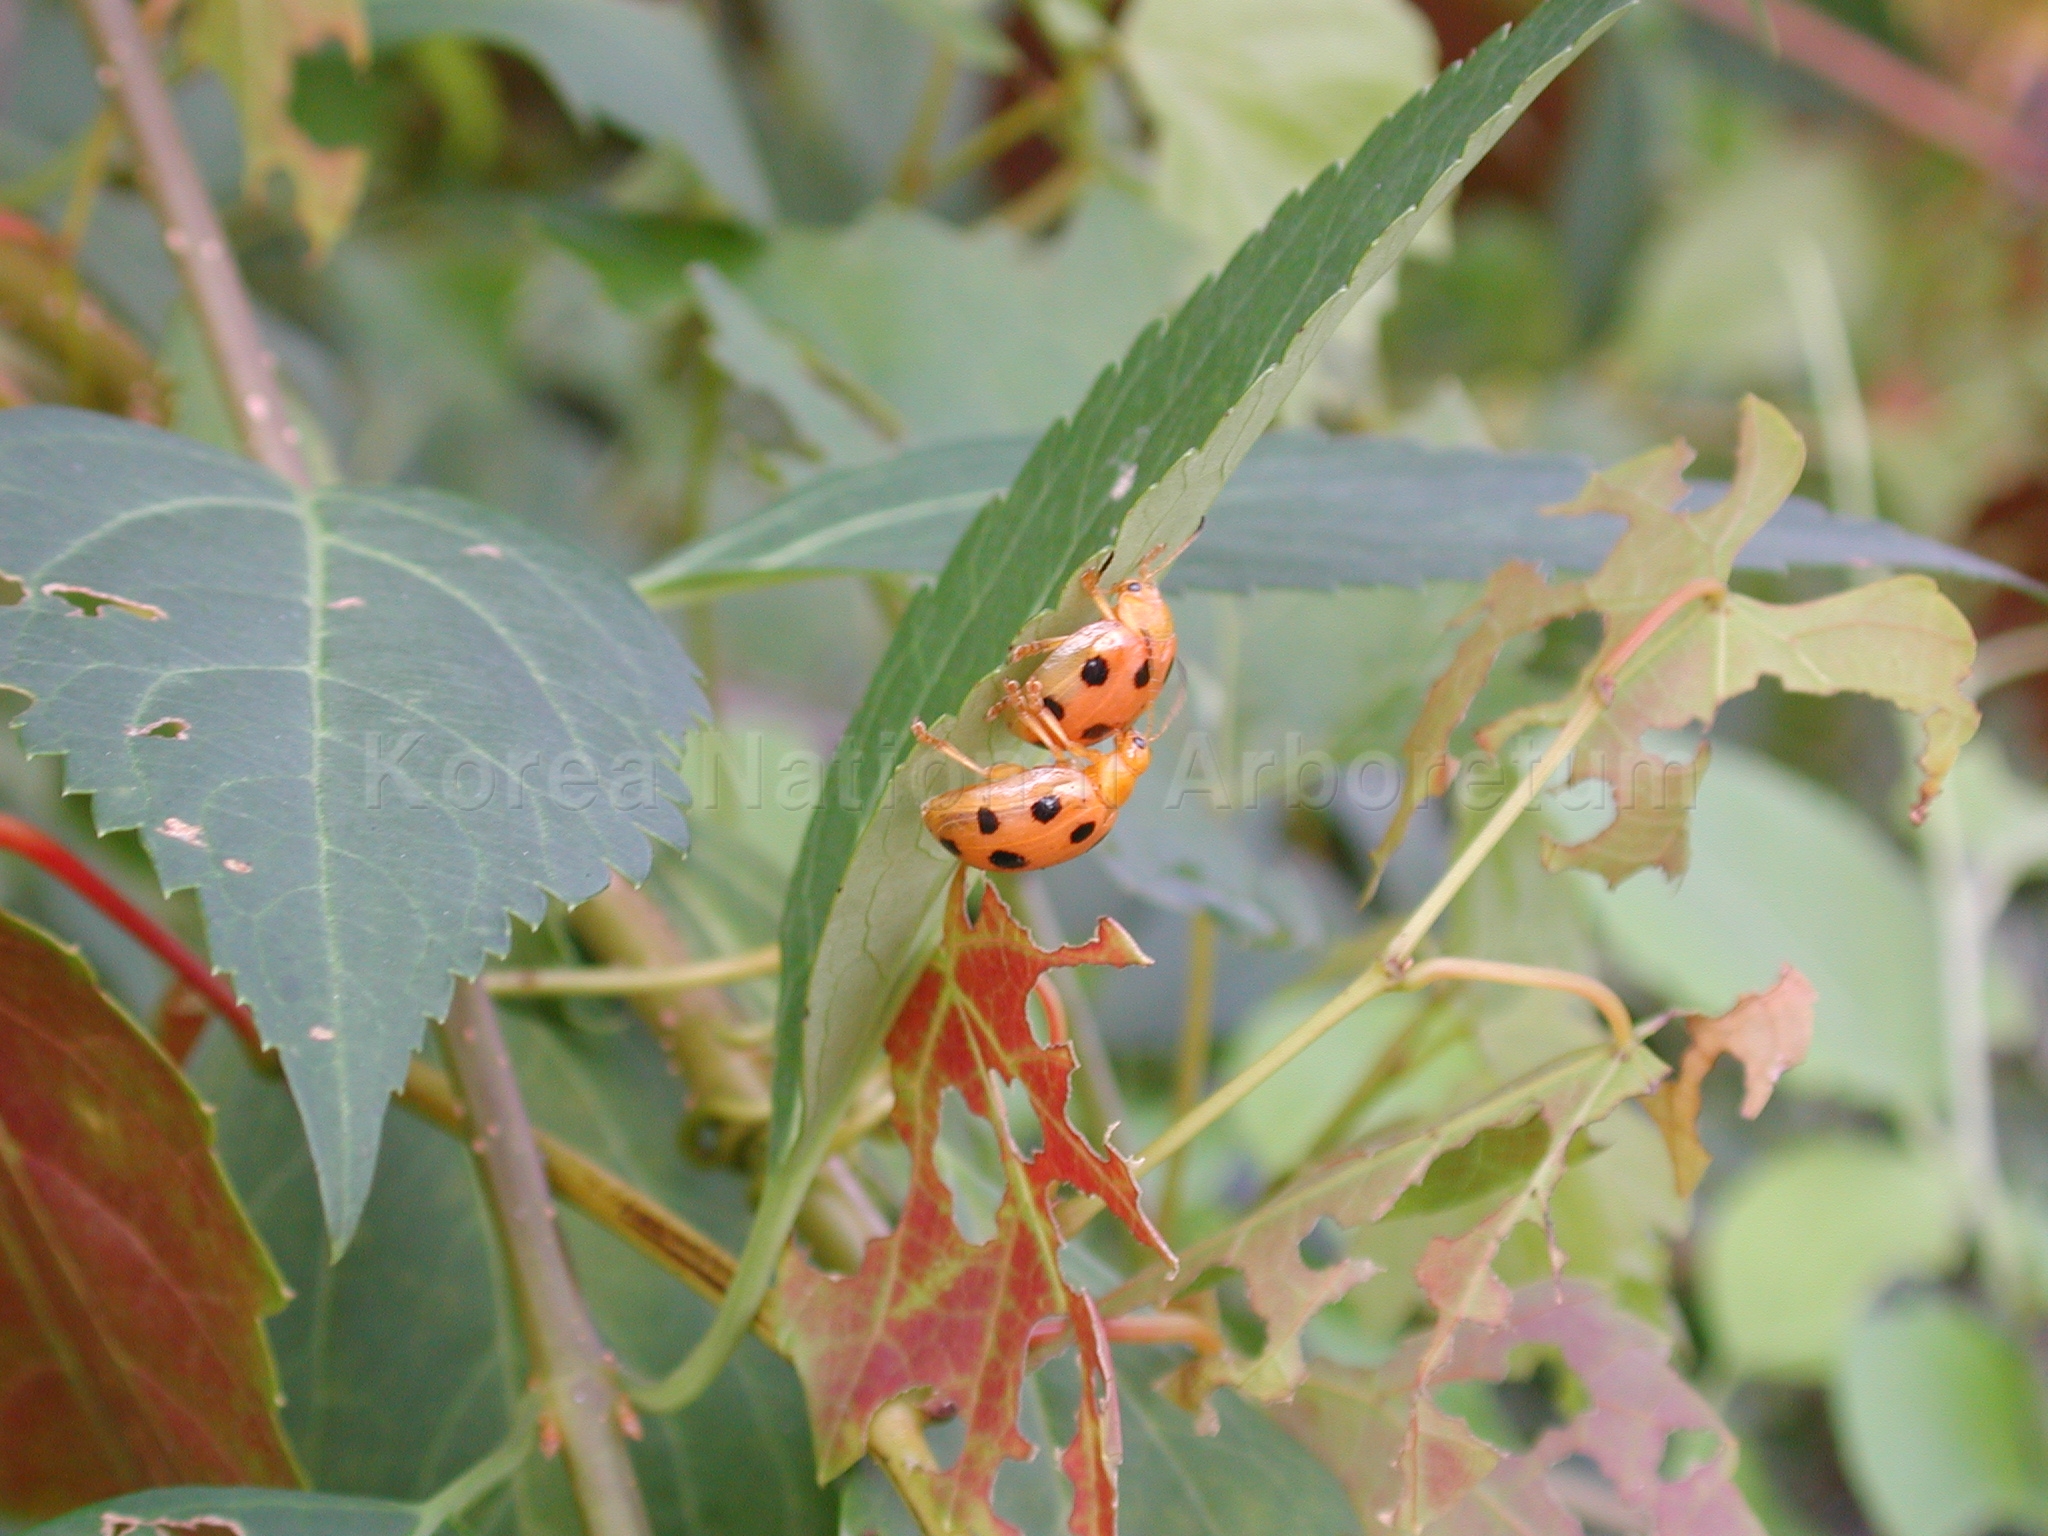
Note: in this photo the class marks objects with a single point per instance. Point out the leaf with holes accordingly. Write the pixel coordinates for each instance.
(1302, 511)
(1897, 639)
(132, 1291)
(1137, 465)
(235, 1512)
(364, 724)
(1363, 1184)
(1766, 1031)
(932, 1315)
(255, 46)
(1665, 1460)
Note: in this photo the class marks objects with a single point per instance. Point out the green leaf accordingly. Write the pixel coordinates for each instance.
(1785, 873)
(642, 258)
(650, 69)
(753, 355)
(1301, 511)
(972, 331)
(364, 724)
(1805, 1237)
(131, 1287)
(1139, 464)
(1939, 1419)
(402, 1363)
(234, 1512)
(1250, 98)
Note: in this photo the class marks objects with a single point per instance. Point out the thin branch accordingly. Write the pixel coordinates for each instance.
(1197, 1032)
(580, 1391)
(1903, 94)
(2008, 657)
(193, 236)
(914, 163)
(624, 980)
(54, 859)
(642, 1222)
(1540, 977)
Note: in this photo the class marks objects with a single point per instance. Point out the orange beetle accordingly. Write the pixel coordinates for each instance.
(1104, 675)
(1030, 817)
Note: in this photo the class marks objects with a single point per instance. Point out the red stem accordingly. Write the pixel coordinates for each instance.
(1909, 97)
(60, 863)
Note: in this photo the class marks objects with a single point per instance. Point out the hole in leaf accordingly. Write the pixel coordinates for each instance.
(171, 728)
(1479, 1404)
(1685, 1451)
(1322, 1245)
(970, 1165)
(12, 590)
(89, 601)
(1022, 1116)
(1540, 1391)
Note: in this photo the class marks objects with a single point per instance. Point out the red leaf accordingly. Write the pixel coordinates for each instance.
(1091, 1461)
(131, 1288)
(1766, 1031)
(929, 1314)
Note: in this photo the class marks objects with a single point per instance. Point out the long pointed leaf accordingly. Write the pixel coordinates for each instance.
(1139, 463)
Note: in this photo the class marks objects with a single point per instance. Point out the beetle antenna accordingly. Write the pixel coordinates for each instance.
(1172, 714)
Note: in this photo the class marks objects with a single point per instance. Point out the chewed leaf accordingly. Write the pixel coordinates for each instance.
(1767, 1032)
(1678, 645)
(1634, 1407)
(930, 1314)
(1364, 1184)
(255, 45)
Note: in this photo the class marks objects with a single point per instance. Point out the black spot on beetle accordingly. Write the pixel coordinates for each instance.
(1144, 673)
(1082, 833)
(986, 820)
(1095, 671)
(1056, 709)
(1045, 807)
(1002, 858)
(1095, 732)
(950, 846)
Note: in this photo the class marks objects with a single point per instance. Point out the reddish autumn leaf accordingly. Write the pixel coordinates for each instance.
(1361, 1185)
(1357, 1422)
(932, 1316)
(1678, 644)
(131, 1287)
(1766, 1031)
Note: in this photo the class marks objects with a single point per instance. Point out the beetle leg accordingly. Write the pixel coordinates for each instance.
(1035, 648)
(917, 729)
(1091, 583)
(1029, 704)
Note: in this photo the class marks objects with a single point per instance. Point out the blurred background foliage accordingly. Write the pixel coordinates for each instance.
(634, 268)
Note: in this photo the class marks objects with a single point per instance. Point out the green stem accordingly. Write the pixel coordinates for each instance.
(1964, 913)
(493, 1471)
(1197, 1029)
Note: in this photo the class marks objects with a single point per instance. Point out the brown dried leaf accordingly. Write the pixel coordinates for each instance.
(254, 46)
(1768, 1032)
(1898, 640)
(1362, 1185)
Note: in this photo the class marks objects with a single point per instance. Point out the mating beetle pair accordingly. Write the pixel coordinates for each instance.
(1094, 684)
